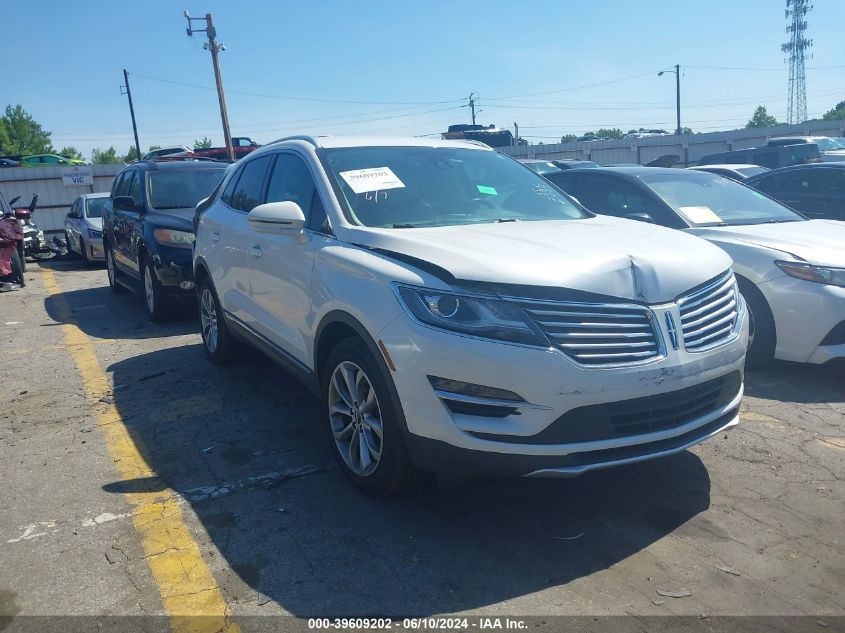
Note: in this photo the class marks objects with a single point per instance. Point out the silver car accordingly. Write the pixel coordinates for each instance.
(84, 226)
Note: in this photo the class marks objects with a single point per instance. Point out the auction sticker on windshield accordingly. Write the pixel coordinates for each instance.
(700, 215)
(371, 179)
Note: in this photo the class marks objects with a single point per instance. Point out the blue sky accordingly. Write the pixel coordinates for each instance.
(405, 68)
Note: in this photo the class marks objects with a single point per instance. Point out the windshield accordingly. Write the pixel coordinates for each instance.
(181, 189)
(709, 200)
(408, 187)
(94, 207)
(827, 144)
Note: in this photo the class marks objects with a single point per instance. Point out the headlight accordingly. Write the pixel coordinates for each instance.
(95, 235)
(470, 314)
(170, 237)
(818, 274)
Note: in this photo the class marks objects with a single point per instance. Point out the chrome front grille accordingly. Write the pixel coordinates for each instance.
(709, 315)
(598, 334)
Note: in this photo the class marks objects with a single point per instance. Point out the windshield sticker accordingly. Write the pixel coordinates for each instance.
(371, 179)
(700, 215)
(490, 191)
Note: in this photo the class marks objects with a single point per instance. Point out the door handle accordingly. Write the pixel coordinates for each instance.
(255, 250)
(215, 235)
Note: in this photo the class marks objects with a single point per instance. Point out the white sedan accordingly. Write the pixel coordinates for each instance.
(791, 270)
(84, 227)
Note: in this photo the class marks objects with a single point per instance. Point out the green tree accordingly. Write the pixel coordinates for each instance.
(153, 148)
(836, 113)
(203, 143)
(761, 118)
(687, 130)
(567, 138)
(24, 134)
(609, 132)
(4, 138)
(130, 155)
(105, 157)
(71, 152)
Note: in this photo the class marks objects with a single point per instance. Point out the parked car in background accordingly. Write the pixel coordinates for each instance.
(241, 145)
(817, 191)
(176, 150)
(456, 312)
(48, 160)
(8, 162)
(831, 149)
(735, 172)
(573, 163)
(84, 227)
(771, 157)
(147, 230)
(539, 166)
(790, 269)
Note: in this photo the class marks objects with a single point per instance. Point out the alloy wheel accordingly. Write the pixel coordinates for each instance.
(355, 418)
(149, 290)
(110, 268)
(208, 319)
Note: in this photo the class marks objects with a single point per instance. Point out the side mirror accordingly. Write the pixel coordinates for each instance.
(124, 203)
(22, 214)
(275, 215)
(640, 217)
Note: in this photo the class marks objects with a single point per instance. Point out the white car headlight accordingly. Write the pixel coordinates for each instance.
(809, 272)
(471, 314)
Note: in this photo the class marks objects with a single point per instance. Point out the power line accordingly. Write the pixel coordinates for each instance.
(289, 98)
(572, 88)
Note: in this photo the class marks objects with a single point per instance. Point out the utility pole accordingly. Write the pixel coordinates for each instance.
(472, 106)
(677, 73)
(678, 96)
(214, 47)
(128, 93)
(515, 133)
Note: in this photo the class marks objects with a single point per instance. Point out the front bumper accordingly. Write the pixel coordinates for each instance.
(175, 272)
(442, 438)
(95, 249)
(805, 313)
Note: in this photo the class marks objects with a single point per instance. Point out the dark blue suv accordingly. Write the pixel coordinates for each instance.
(148, 233)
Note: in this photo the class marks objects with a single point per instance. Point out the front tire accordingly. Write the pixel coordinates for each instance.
(220, 347)
(111, 270)
(17, 269)
(762, 334)
(86, 259)
(364, 425)
(158, 307)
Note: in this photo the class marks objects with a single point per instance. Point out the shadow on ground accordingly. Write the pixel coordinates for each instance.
(243, 445)
(126, 316)
(800, 383)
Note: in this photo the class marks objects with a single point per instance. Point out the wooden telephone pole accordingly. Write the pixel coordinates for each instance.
(214, 47)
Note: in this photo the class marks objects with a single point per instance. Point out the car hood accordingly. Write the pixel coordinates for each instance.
(95, 223)
(602, 255)
(181, 219)
(815, 241)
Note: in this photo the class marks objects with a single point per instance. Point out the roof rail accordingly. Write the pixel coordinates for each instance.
(297, 137)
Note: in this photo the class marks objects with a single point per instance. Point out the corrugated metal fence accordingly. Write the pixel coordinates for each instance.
(690, 148)
(54, 198)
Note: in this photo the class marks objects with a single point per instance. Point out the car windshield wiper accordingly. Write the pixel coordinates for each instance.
(507, 220)
(173, 206)
(404, 226)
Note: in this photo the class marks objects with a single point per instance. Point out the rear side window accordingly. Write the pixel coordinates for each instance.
(248, 191)
(122, 186)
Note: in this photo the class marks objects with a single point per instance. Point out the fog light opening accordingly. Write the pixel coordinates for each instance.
(186, 285)
(473, 390)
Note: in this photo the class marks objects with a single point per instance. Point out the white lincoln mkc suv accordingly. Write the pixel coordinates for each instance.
(457, 312)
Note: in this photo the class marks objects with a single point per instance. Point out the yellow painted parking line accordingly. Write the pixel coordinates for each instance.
(187, 586)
